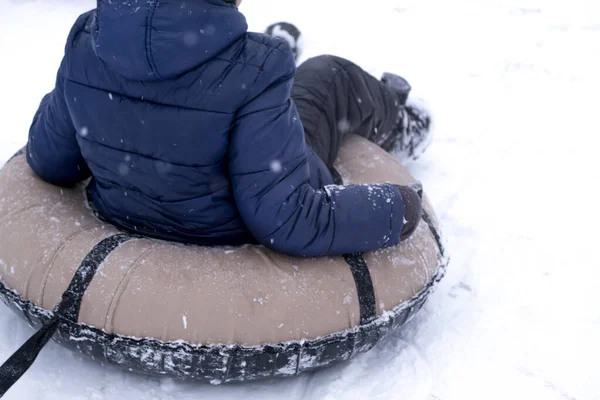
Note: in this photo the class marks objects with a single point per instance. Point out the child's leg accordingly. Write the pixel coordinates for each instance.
(335, 97)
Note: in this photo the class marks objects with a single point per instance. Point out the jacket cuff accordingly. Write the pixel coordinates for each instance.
(396, 215)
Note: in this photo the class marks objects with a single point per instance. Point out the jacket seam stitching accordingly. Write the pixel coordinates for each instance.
(260, 71)
(264, 44)
(262, 171)
(237, 62)
(149, 21)
(147, 101)
(266, 109)
(106, 184)
(392, 196)
(147, 156)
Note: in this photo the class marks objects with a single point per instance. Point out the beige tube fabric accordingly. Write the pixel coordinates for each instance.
(167, 291)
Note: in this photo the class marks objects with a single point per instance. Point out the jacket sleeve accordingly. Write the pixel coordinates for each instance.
(270, 176)
(52, 149)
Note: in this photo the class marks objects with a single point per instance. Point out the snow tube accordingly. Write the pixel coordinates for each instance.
(207, 314)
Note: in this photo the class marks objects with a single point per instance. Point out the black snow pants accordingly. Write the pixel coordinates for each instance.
(336, 97)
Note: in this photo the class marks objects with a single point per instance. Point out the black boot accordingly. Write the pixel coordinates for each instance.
(399, 84)
(413, 134)
(290, 33)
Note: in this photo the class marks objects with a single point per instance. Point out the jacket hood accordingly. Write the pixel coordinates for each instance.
(151, 40)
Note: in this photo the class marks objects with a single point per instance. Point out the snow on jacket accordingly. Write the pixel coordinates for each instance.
(185, 123)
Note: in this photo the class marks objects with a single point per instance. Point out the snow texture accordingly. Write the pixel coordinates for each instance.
(512, 173)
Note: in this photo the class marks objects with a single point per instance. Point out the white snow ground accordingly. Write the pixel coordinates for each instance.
(512, 172)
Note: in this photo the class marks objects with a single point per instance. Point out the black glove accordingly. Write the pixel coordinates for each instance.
(413, 209)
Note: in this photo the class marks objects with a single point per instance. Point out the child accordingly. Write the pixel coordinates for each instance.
(193, 130)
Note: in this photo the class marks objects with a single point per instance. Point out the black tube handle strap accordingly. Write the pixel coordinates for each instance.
(16, 366)
(68, 309)
(364, 287)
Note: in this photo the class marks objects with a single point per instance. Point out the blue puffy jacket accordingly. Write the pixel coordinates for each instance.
(184, 120)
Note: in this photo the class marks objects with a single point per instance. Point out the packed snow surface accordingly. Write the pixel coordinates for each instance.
(513, 174)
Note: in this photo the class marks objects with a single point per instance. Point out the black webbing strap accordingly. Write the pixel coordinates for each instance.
(68, 309)
(360, 272)
(337, 177)
(360, 269)
(435, 232)
(364, 287)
